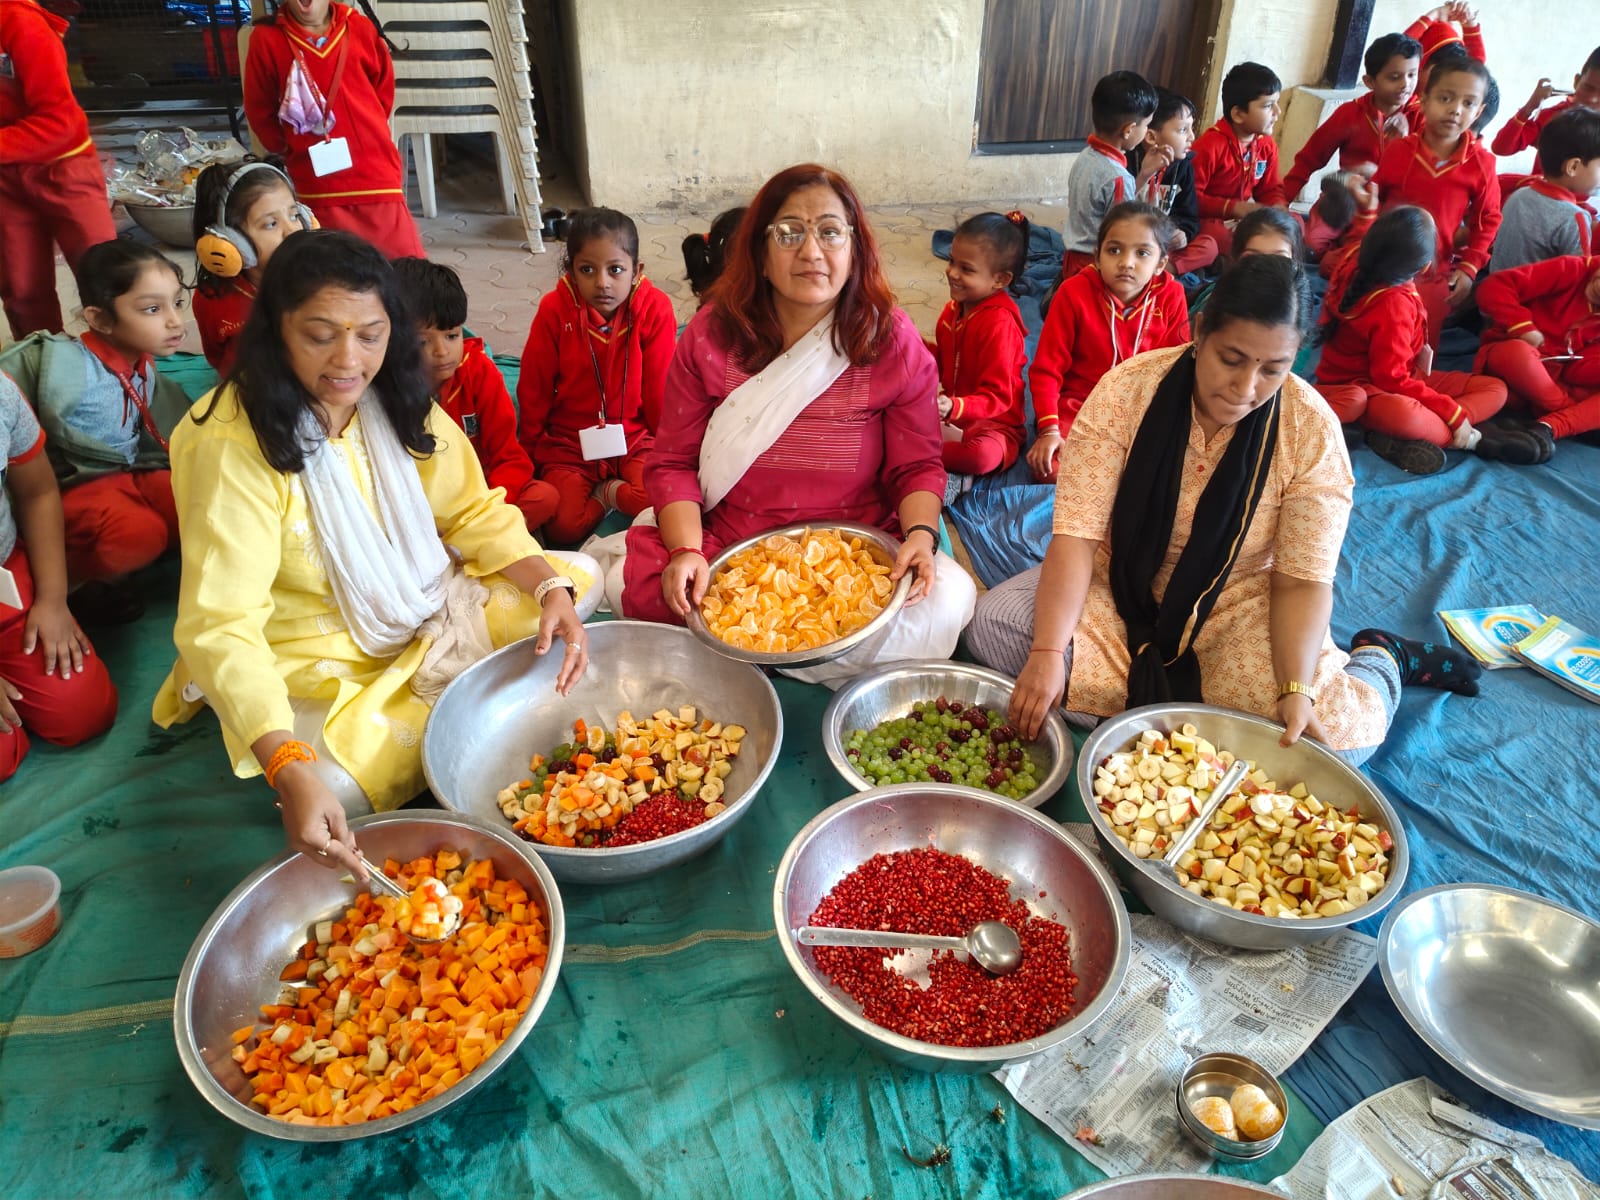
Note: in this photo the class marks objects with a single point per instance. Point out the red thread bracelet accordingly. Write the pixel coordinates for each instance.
(672, 554)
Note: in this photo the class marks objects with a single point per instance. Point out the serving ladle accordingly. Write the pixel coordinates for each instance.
(993, 945)
(389, 887)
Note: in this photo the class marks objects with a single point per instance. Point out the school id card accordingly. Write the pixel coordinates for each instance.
(330, 156)
(603, 441)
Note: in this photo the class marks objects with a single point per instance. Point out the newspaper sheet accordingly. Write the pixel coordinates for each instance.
(1114, 1091)
(1413, 1141)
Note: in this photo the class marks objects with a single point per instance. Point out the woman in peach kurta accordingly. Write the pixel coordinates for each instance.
(1264, 647)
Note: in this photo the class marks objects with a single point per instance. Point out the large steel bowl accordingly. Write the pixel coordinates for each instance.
(232, 968)
(503, 709)
(878, 543)
(1174, 1187)
(1329, 777)
(890, 692)
(172, 224)
(1057, 878)
(1505, 987)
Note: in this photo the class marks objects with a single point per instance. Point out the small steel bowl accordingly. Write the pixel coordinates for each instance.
(1505, 987)
(878, 543)
(1329, 778)
(890, 691)
(503, 709)
(1058, 879)
(1219, 1075)
(1174, 1187)
(232, 967)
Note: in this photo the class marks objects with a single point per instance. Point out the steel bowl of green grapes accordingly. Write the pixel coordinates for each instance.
(942, 722)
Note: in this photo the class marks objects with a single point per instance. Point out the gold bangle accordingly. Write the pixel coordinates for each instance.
(1294, 688)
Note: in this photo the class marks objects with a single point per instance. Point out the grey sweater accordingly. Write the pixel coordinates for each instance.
(1095, 185)
(1538, 226)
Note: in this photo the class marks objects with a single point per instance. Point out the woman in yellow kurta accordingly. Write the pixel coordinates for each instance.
(306, 532)
(1200, 509)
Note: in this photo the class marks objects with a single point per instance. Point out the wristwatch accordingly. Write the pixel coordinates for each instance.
(555, 581)
(1294, 688)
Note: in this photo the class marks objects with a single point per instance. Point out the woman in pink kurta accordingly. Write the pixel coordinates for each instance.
(799, 393)
(1256, 526)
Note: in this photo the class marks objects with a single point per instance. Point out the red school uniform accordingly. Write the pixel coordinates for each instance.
(52, 190)
(1462, 189)
(1354, 131)
(1088, 332)
(1434, 35)
(367, 197)
(1516, 135)
(476, 399)
(1227, 171)
(980, 357)
(1548, 296)
(1376, 345)
(221, 318)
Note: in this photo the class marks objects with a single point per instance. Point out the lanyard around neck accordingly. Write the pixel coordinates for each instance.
(1138, 337)
(594, 360)
(333, 87)
(134, 396)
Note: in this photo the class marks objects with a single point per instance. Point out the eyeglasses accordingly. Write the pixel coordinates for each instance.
(830, 234)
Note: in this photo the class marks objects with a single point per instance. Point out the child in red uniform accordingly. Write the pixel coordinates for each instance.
(1553, 214)
(469, 387)
(347, 171)
(1437, 30)
(241, 215)
(1544, 340)
(1529, 121)
(1125, 304)
(106, 412)
(50, 680)
(52, 190)
(1444, 168)
(1376, 368)
(979, 345)
(592, 372)
(703, 253)
(1171, 187)
(1236, 160)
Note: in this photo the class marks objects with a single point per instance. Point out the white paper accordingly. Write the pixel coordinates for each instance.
(1183, 997)
(10, 597)
(603, 441)
(330, 157)
(1413, 1141)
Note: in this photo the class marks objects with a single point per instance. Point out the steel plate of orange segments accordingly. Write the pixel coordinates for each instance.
(790, 593)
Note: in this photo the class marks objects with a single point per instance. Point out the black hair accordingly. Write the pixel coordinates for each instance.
(1007, 235)
(1592, 63)
(1452, 56)
(433, 292)
(1170, 104)
(110, 269)
(1120, 98)
(209, 189)
(1263, 288)
(1574, 134)
(1136, 210)
(704, 253)
(589, 223)
(1277, 220)
(1390, 45)
(1246, 83)
(270, 393)
(1400, 245)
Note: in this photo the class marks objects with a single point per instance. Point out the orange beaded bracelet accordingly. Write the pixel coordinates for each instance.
(284, 755)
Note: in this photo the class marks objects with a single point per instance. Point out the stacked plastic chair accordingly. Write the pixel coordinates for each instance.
(462, 67)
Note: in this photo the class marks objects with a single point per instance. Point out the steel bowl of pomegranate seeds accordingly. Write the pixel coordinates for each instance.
(937, 859)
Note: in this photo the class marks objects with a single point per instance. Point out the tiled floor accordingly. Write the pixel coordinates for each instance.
(504, 281)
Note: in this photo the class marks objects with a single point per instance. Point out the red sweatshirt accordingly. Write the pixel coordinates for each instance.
(1434, 34)
(360, 108)
(1465, 188)
(1516, 135)
(981, 357)
(1087, 333)
(1377, 344)
(220, 319)
(557, 396)
(1227, 171)
(41, 120)
(1547, 296)
(477, 400)
(1354, 131)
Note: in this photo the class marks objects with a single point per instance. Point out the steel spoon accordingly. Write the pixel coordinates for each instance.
(993, 945)
(385, 884)
(1226, 786)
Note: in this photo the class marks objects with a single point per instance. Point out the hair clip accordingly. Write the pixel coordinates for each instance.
(1015, 216)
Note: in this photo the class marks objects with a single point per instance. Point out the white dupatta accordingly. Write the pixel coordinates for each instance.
(756, 413)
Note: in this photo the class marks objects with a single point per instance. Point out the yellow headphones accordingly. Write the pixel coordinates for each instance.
(223, 250)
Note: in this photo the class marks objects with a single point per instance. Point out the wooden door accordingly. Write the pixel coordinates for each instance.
(1041, 58)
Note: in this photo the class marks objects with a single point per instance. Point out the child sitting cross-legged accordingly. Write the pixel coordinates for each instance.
(468, 386)
(979, 345)
(1376, 367)
(1543, 339)
(1553, 213)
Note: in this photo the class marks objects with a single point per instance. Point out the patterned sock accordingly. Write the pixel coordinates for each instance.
(1425, 664)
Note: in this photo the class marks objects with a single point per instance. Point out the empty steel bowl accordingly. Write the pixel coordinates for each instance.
(232, 968)
(890, 691)
(1329, 777)
(1174, 1187)
(1058, 879)
(501, 711)
(878, 543)
(169, 223)
(1219, 1075)
(1505, 987)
